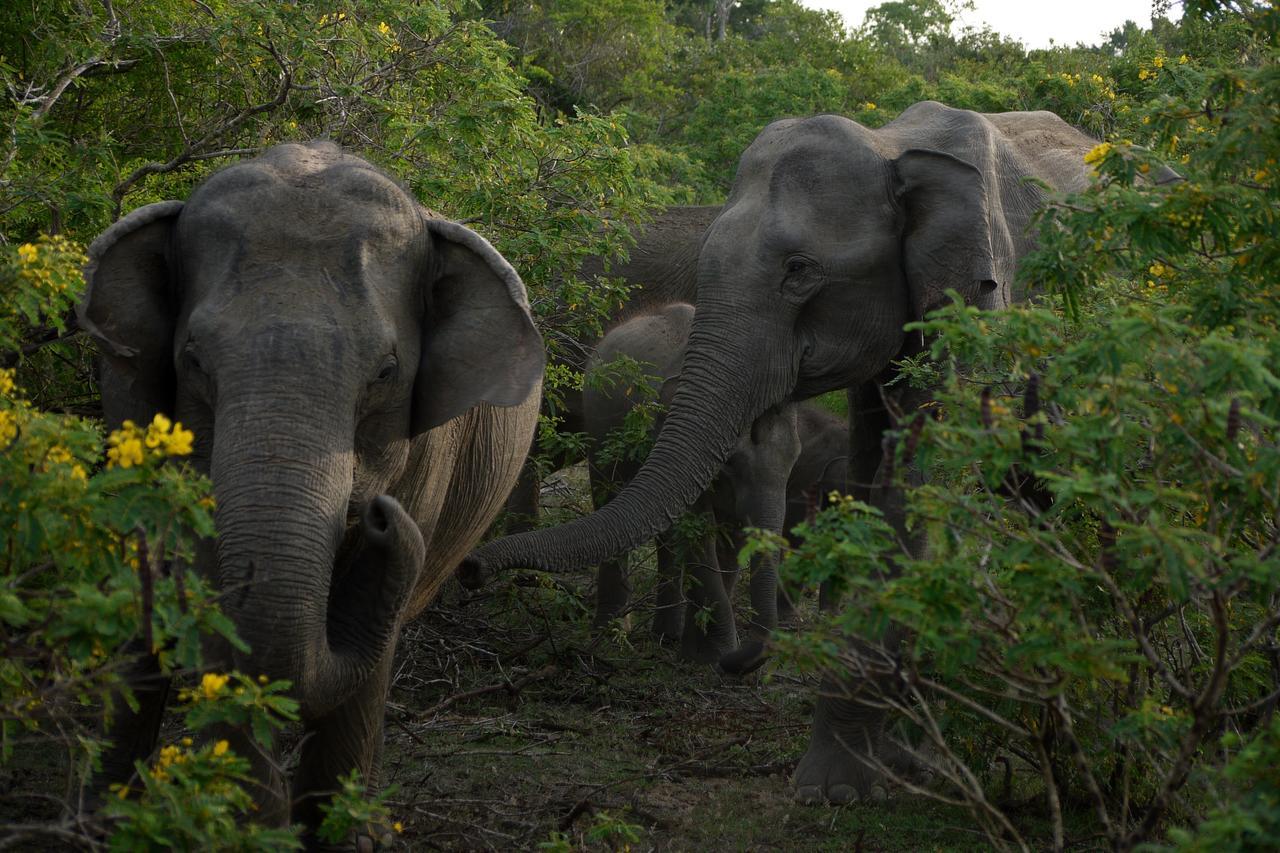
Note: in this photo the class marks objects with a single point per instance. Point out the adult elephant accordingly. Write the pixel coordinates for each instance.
(833, 237)
(362, 378)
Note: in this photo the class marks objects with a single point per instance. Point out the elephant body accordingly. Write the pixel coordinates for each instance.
(834, 236)
(779, 473)
(750, 491)
(363, 381)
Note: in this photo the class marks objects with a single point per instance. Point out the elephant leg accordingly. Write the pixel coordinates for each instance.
(349, 737)
(764, 604)
(847, 738)
(668, 613)
(846, 746)
(613, 585)
(613, 590)
(132, 734)
(709, 630)
(522, 504)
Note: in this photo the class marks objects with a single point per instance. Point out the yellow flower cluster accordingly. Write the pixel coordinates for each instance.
(51, 264)
(8, 427)
(212, 684)
(1098, 153)
(163, 437)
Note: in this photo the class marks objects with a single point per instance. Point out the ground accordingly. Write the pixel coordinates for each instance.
(512, 727)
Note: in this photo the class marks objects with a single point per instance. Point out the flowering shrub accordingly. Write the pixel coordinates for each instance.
(93, 550)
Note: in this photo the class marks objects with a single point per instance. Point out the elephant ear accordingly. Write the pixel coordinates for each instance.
(128, 309)
(479, 344)
(950, 240)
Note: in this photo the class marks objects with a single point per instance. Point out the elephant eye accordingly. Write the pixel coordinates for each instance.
(796, 265)
(192, 360)
(389, 370)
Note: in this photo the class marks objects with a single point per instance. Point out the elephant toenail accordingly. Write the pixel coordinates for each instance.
(841, 794)
(878, 794)
(810, 795)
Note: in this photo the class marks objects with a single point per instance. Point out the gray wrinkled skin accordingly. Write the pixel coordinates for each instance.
(833, 237)
(363, 381)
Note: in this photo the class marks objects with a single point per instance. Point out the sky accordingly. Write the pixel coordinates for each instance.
(1032, 22)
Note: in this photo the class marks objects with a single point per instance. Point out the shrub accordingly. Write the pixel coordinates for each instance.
(1099, 601)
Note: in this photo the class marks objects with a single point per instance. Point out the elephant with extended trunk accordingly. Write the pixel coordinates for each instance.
(834, 236)
(362, 379)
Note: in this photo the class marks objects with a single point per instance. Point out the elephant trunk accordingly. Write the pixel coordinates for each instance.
(282, 510)
(725, 383)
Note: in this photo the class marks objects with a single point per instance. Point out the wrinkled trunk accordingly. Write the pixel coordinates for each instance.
(282, 508)
(728, 378)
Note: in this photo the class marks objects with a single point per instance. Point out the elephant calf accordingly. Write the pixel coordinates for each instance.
(787, 457)
(363, 381)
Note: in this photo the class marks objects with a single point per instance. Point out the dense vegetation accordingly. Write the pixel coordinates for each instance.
(1116, 646)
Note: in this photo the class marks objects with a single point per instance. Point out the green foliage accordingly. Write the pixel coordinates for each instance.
(351, 811)
(190, 798)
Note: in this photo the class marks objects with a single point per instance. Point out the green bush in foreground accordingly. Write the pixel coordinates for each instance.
(93, 547)
(1097, 610)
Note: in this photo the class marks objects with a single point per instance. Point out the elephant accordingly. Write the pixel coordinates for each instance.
(362, 378)
(833, 238)
(662, 269)
(751, 490)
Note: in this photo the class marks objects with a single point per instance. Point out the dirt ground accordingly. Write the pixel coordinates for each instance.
(512, 726)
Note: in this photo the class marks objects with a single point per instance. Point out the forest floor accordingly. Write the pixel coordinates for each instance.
(513, 726)
(509, 729)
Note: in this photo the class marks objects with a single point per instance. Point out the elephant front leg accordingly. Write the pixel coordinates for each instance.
(349, 738)
(613, 591)
(847, 744)
(764, 602)
(709, 629)
(668, 613)
(132, 734)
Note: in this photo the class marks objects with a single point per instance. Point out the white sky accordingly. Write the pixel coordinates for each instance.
(1032, 22)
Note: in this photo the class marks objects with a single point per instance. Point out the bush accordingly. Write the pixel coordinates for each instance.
(1099, 602)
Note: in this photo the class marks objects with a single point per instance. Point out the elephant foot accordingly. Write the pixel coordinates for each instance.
(843, 765)
(698, 646)
(668, 624)
(748, 657)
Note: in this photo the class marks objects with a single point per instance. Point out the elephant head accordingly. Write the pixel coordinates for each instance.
(307, 319)
(833, 237)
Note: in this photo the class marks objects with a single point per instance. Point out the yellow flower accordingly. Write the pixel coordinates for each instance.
(1143, 74)
(126, 453)
(1158, 62)
(27, 253)
(1182, 60)
(398, 827)
(179, 442)
(1098, 153)
(6, 379)
(221, 747)
(157, 429)
(1158, 269)
(383, 28)
(212, 683)
(868, 106)
(1096, 78)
